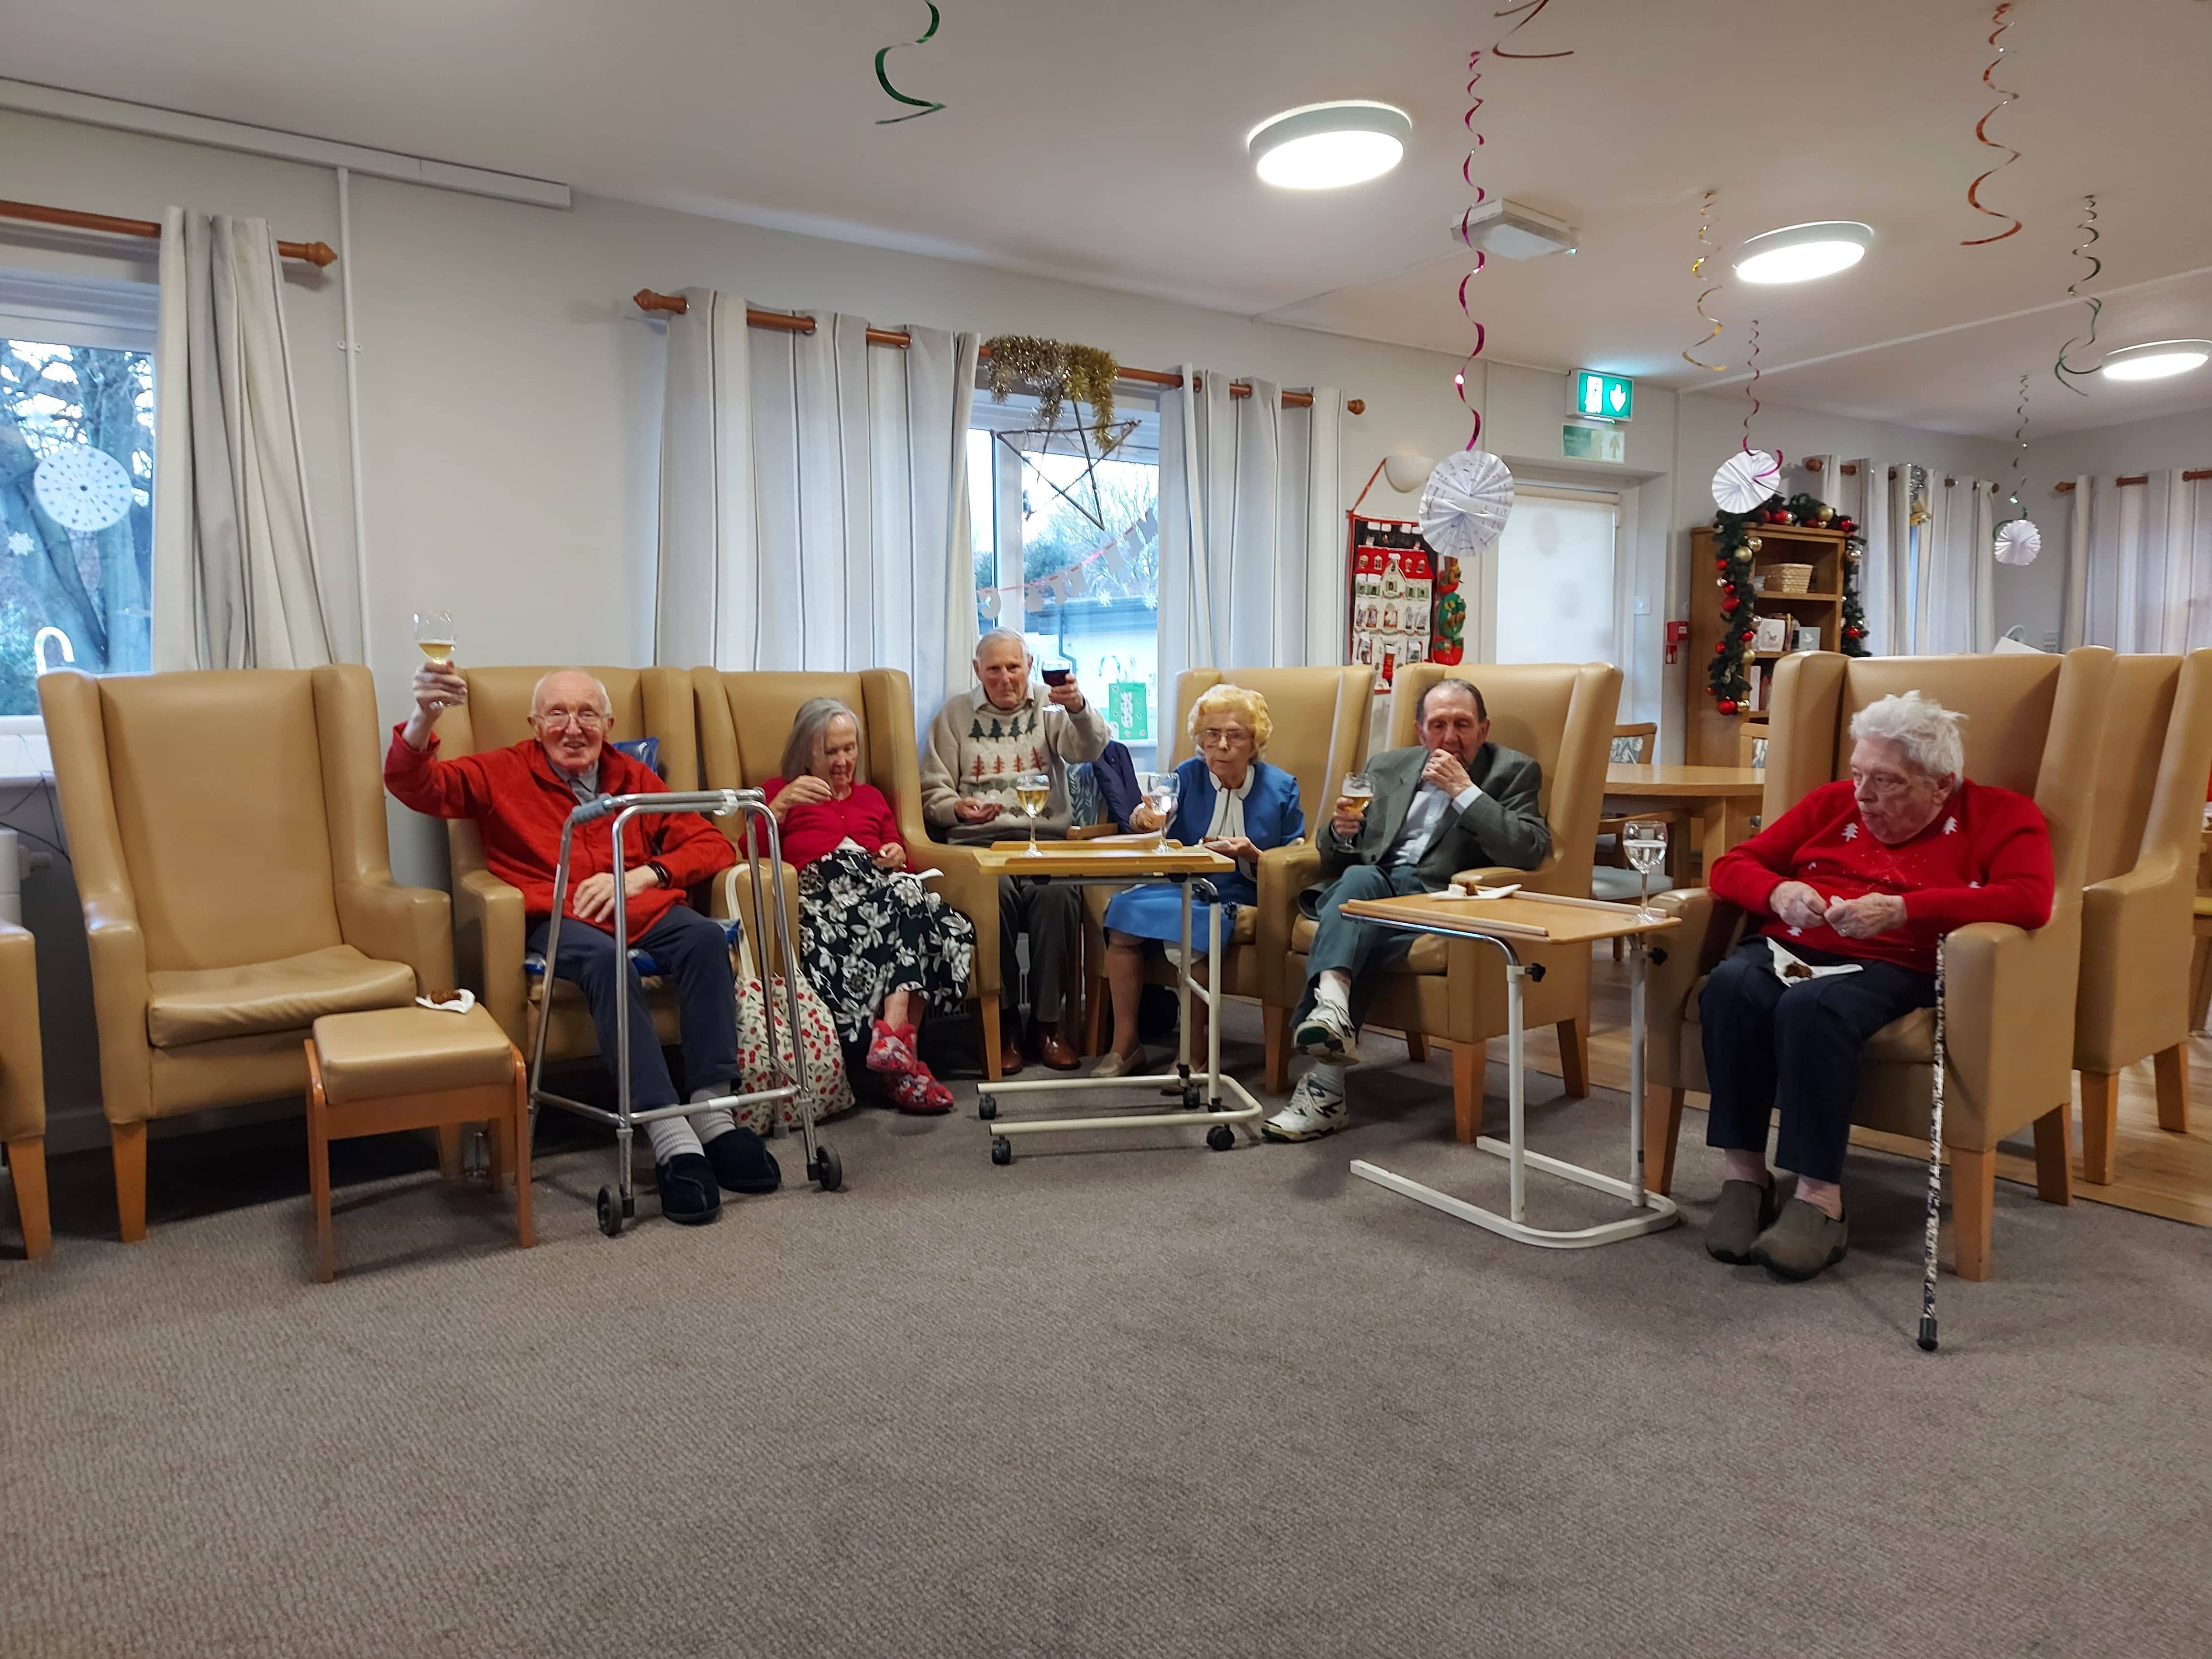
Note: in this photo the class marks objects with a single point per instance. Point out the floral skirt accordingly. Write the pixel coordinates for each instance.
(864, 933)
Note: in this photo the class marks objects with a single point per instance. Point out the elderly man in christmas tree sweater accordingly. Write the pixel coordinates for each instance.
(978, 744)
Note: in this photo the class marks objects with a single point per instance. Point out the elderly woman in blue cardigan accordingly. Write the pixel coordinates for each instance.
(1232, 802)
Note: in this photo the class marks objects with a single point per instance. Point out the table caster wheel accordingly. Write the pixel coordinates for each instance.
(1221, 1137)
(987, 1106)
(610, 1219)
(1002, 1150)
(828, 1172)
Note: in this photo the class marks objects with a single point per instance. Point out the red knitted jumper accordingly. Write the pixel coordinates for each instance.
(1985, 858)
(818, 826)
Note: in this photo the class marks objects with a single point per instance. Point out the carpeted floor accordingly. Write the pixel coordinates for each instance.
(1124, 1397)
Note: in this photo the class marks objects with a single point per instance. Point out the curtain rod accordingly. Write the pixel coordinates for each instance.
(315, 253)
(2139, 478)
(677, 305)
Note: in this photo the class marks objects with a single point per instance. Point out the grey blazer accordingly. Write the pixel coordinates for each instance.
(1502, 826)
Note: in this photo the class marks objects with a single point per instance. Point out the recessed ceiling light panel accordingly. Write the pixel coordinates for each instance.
(1328, 146)
(1798, 253)
(2156, 358)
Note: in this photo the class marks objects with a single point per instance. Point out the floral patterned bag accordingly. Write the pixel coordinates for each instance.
(823, 1060)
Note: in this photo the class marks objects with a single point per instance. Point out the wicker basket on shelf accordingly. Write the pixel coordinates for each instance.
(1784, 579)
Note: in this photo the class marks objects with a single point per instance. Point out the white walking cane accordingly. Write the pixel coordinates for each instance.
(1935, 1169)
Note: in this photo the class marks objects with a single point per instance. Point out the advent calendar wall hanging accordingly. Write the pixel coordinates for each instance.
(1394, 615)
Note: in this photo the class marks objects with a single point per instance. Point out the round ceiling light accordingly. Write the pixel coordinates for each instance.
(1798, 253)
(2156, 358)
(1328, 146)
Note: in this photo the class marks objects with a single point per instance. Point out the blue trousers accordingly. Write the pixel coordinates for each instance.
(692, 951)
(1797, 1046)
(1365, 952)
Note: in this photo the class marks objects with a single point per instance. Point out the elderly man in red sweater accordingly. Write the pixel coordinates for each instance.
(519, 797)
(1856, 882)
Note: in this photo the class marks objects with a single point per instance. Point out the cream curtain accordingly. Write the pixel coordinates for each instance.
(1878, 505)
(234, 577)
(2143, 570)
(1955, 601)
(814, 498)
(1252, 543)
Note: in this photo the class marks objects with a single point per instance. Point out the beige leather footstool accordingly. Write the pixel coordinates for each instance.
(414, 1068)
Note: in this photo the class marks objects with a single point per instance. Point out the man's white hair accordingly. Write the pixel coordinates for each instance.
(537, 691)
(1925, 732)
(1011, 635)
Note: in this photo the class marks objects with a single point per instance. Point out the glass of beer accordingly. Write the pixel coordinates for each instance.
(434, 637)
(1031, 791)
(1358, 790)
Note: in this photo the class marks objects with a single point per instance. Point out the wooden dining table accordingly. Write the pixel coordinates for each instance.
(1723, 798)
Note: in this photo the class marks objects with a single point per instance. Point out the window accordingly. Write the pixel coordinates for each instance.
(1067, 549)
(1556, 598)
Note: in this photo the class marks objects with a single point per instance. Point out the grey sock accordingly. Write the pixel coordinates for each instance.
(715, 1120)
(671, 1136)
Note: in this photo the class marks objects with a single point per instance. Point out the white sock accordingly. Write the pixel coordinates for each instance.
(715, 1120)
(1328, 1079)
(670, 1137)
(1334, 989)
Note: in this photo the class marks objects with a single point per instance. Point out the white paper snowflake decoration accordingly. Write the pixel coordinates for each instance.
(1465, 503)
(2018, 542)
(1745, 480)
(82, 489)
(20, 544)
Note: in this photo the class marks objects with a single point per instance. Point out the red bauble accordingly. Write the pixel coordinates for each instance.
(1721, 648)
(1747, 637)
(1845, 524)
(1730, 603)
(1726, 705)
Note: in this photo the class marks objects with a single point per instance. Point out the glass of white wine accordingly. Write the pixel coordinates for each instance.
(1031, 791)
(1644, 840)
(433, 638)
(1359, 790)
(1162, 790)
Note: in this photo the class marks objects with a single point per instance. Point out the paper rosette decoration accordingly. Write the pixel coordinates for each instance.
(2018, 542)
(1465, 503)
(1745, 479)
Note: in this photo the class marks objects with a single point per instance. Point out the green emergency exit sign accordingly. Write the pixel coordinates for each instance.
(1600, 397)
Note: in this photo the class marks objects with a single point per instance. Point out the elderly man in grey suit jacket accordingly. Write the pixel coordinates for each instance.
(1455, 802)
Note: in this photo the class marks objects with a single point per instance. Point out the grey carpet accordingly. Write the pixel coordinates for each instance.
(1124, 1397)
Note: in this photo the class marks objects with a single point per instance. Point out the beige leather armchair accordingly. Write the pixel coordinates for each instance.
(1454, 990)
(488, 924)
(1320, 720)
(2138, 910)
(2033, 724)
(24, 1086)
(229, 838)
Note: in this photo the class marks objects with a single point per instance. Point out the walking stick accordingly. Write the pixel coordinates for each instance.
(1935, 1170)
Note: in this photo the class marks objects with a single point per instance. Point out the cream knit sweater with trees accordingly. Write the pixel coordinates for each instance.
(977, 750)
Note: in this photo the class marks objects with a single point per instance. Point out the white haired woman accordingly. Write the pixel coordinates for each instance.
(1857, 883)
(878, 947)
(1235, 803)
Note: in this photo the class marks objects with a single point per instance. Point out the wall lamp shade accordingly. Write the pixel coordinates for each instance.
(2156, 358)
(1799, 253)
(1328, 146)
(1408, 473)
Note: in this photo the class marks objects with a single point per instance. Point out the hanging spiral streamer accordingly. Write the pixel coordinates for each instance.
(1751, 390)
(2018, 446)
(923, 105)
(2062, 368)
(1697, 273)
(2001, 22)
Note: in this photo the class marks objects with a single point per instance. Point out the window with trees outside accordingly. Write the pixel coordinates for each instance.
(76, 438)
(1067, 549)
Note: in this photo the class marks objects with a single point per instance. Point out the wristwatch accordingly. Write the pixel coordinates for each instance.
(660, 870)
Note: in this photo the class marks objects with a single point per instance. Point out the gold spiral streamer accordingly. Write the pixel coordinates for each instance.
(1697, 274)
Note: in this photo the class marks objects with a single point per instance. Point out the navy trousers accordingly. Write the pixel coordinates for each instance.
(1796, 1046)
(692, 951)
(1366, 953)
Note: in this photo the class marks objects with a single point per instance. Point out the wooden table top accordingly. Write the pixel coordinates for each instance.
(1542, 918)
(1108, 860)
(1686, 782)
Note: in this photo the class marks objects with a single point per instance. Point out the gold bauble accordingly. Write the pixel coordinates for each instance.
(1752, 546)
(1825, 515)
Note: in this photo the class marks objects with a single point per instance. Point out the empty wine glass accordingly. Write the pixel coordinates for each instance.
(1031, 791)
(1644, 840)
(434, 639)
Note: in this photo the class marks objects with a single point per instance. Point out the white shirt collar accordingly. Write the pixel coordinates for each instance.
(981, 699)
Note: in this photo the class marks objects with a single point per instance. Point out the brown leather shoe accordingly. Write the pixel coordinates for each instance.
(1054, 1051)
(1010, 1055)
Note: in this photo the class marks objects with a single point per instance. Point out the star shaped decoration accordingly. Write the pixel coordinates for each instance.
(20, 543)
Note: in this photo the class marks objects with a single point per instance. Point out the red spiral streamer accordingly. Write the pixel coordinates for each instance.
(1751, 390)
(2001, 21)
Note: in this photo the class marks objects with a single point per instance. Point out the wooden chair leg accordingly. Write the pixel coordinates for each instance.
(1416, 1046)
(449, 1149)
(2101, 1125)
(127, 1145)
(525, 1229)
(1663, 1126)
(988, 1008)
(2171, 1066)
(1574, 1057)
(319, 1170)
(1276, 1023)
(27, 1164)
(1469, 1062)
(2054, 1155)
(498, 1132)
(1973, 1198)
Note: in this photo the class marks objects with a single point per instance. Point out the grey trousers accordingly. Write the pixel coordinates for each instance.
(1366, 953)
(1051, 914)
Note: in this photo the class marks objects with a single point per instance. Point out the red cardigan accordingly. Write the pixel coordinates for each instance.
(818, 826)
(1985, 858)
(520, 803)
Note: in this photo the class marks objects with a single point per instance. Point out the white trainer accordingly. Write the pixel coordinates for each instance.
(1313, 1112)
(1327, 1034)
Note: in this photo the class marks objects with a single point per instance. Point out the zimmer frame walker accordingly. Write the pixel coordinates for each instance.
(1202, 1094)
(619, 1204)
(1654, 1210)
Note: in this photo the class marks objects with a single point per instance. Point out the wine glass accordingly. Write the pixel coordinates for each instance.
(1644, 840)
(1032, 790)
(1359, 790)
(434, 639)
(1162, 790)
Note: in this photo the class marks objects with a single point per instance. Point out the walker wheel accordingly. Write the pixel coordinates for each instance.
(610, 1217)
(987, 1106)
(1221, 1137)
(1194, 1098)
(829, 1173)
(1002, 1150)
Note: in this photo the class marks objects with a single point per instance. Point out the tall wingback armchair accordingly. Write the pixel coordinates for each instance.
(23, 1086)
(2138, 910)
(227, 832)
(1454, 990)
(488, 924)
(2033, 725)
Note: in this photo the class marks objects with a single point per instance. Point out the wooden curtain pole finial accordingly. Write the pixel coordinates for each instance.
(1355, 405)
(647, 299)
(319, 254)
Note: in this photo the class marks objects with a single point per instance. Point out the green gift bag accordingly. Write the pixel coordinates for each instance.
(1127, 709)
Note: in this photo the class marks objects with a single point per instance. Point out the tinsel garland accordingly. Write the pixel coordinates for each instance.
(1727, 676)
(1055, 371)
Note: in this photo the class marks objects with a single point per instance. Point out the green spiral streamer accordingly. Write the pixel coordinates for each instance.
(2062, 368)
(923, 105)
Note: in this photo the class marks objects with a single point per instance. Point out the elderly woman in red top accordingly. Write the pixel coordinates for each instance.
(519, 797)
(877, 945)
(1857, 883)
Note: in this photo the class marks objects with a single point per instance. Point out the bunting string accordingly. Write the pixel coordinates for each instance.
(1697, 274)
(2062, 368)
(2001, 20)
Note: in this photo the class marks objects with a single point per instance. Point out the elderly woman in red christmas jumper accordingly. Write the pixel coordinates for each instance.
(1856, 883)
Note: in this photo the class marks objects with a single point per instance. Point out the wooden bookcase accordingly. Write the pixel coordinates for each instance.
(1709, 736)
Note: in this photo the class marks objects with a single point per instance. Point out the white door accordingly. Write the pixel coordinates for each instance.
(1554, 595)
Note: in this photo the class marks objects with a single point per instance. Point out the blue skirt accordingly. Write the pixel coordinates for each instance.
(1155, 911)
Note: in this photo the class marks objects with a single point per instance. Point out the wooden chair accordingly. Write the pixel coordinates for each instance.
(1632, 746)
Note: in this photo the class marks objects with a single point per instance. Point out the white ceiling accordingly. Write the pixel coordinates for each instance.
(1104, 142)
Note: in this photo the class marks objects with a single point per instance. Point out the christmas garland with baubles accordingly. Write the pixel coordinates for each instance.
(1727, 677)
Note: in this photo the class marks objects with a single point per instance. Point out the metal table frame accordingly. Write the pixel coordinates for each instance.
(1202, 1101)
(1654, 1210)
